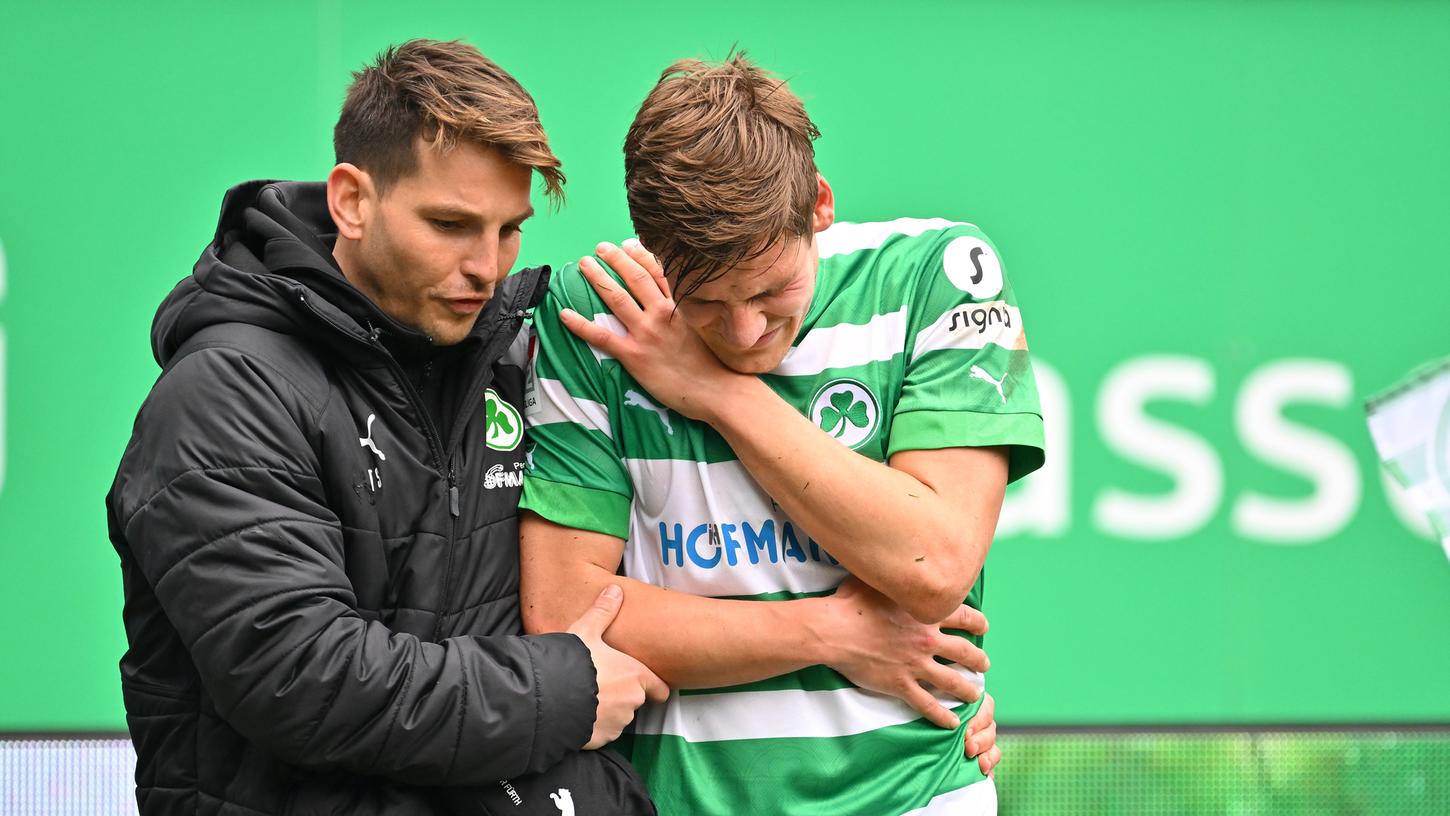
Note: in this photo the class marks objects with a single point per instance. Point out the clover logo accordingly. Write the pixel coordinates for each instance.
(843, 412)
(505, 426)
(847, 410)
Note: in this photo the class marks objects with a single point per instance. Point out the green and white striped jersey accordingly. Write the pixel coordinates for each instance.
(913, 340)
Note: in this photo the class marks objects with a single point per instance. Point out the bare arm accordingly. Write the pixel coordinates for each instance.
(917, 529)
(695, 642)
(562, 569)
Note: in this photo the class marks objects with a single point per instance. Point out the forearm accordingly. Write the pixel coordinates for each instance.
(688, 640)
(883, 524)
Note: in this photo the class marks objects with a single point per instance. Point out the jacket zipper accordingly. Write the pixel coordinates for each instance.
(430, 432)
(459, 425)
(435, 443)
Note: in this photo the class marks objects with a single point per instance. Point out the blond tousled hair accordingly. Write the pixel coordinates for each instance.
(719, 165)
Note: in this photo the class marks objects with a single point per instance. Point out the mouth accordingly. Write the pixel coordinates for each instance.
(766, 339)
(465, 306)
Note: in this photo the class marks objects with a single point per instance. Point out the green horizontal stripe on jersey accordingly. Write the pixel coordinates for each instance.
(932, 430)
(811, 678)
(887, 771)
(776, 596)
(579, 507)
(589, 453)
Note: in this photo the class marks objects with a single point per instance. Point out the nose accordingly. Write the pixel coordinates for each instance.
(481, 266)
(743, 325)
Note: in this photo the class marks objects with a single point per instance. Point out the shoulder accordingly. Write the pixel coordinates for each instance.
(236, 354)
(900, 240)
(235, 399)
(569, 290)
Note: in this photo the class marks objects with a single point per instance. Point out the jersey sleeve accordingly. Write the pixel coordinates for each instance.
(968, 380)
(574, 475)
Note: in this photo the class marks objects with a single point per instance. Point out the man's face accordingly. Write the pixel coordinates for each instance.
(435, 244)
(750, 315)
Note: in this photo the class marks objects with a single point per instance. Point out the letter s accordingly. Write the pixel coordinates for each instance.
(1193, 465)
(1314, 456)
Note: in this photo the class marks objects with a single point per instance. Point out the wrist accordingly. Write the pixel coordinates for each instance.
(818, 619)
(729, 397)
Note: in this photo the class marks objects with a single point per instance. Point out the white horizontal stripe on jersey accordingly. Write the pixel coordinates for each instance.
(973, 326)
(554, 403)
(846, 344)
(694, 494)
(611, 323)
(780, 714)
(976, 799)
(844, 237)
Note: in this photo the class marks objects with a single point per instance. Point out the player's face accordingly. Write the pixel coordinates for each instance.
(750, 315)
(437, 242)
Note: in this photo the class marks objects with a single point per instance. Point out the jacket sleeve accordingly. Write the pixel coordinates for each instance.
(223, 509)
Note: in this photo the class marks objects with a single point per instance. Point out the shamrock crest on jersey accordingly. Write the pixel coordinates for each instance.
(505, 426)
(847, 410)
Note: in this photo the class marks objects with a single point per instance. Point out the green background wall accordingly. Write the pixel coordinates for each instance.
(1226, 222)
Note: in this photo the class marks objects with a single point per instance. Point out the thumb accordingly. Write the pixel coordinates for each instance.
(597, 618)
(655, 689)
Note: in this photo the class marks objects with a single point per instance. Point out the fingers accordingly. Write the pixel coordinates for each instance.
(979, 743)
(596, 619)
(655, 689)
(952, 682)
(592, 333)
(635, 267)
(651, 264)
(962, 652)
(928, 706)
(618, 301)
(967, 618)
(982, 728)
(985, 716)
(989, 761)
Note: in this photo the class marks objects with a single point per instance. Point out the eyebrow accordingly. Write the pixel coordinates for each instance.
(466, 214)
(768, 291)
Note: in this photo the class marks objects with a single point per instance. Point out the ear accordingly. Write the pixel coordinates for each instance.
(350, 196)
(824, 214)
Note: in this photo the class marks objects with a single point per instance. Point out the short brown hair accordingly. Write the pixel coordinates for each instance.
(718, 165)
(441, 92)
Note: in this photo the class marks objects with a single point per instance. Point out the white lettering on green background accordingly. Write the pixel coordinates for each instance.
(1041, 505)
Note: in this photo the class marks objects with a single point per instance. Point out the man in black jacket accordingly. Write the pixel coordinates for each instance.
(316, 513)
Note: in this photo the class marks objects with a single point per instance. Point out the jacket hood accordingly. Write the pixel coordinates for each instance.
(270, 264)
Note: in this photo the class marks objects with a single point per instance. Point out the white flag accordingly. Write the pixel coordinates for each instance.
(1410, 424)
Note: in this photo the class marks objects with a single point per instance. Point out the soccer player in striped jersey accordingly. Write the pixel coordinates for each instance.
(792, 438)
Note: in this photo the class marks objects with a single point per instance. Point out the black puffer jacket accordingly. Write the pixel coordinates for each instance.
(321, 590)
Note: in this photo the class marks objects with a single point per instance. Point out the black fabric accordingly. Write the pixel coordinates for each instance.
(316, 621)
(589, 783)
